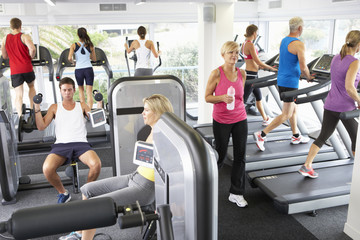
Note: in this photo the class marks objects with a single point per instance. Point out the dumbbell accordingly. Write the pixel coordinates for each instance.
(97, 95)
(38, 98)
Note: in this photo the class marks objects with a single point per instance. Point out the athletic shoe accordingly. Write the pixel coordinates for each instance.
(308, 172)
(267, 122)
(238, 199)
(71, 236)
(64, 197)
(259, 141)
(300, 139)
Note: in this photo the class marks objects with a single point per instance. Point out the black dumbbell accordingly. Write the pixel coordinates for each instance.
(38, 98)
(97, 95)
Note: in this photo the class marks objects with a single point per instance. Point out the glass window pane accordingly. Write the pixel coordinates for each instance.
(342, 27)
(315, 36)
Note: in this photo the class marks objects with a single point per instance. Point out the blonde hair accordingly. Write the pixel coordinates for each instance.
(159, 104)
(229, 46)
(352, 40)
(295, 23)
(250, 30)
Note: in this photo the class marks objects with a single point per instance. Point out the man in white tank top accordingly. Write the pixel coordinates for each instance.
(71, 142)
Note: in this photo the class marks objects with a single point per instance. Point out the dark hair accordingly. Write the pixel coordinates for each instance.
(141, 32)
(82, 34)
(15, 23)
(250, 30)
(351, 41)
(66, 80)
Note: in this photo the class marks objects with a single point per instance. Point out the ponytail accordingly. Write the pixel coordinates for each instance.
(343, 51)
(141, 32)
(352, 41)
(82, 33)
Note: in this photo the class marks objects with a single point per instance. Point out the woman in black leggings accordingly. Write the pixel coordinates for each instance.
(253, 63)
(345, 76)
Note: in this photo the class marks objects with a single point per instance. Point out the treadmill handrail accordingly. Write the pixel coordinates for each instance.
(305, 90)
(261, 79)
(311, 98)
(265, 84)
(350, 114)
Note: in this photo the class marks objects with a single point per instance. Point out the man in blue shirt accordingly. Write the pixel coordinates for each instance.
(292, 64)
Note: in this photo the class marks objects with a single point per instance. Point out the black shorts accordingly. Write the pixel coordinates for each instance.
(19, 79)
(286, 89)
(86, 74)
(71, 151)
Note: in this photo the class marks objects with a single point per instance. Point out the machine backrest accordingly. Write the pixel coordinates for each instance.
(125, 99)
(186, 178)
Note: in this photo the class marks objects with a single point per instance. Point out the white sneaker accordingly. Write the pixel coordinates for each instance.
(238, 199)
(259, 141)
(300, 139)
(267, 122)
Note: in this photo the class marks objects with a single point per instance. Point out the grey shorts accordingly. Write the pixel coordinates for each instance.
(143, 72)
(125, 189)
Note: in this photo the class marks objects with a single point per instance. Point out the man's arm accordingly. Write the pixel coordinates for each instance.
(29, 43)
(3, 49)
(300, 52)
(85, 109)
(43, 122)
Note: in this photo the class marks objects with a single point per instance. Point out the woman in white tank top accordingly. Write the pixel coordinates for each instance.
(143, 48)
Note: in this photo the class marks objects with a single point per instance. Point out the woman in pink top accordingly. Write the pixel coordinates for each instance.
(225, 121)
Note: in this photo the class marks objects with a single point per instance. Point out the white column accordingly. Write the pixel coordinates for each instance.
(39, 81)
(213, 33)
(352, 225)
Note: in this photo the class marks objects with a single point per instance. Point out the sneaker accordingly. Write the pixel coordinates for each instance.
(64, 197)
(71, 236)
(306, 172)
(267, 122)
(300, 139)
(238, 199)
(259, 141)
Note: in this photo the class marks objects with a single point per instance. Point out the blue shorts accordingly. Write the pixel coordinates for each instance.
(71, 151)
(86, 74)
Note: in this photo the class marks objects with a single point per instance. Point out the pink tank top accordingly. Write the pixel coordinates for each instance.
(247, 57)
(220, 113)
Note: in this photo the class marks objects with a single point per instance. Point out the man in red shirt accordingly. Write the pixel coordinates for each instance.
(20, 49)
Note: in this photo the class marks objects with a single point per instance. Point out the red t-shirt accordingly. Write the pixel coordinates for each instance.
(18, 52)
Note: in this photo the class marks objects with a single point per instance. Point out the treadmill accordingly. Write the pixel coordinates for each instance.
(293, 193)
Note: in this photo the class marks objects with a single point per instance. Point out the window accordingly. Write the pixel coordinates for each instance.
(342, 27)
(316, 36)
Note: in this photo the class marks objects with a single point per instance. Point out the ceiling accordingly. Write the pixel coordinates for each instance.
(110, 1)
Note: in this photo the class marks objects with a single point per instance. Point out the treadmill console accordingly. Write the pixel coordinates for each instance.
(322, 65)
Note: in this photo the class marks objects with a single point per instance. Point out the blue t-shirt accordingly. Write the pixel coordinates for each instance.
(289, 67)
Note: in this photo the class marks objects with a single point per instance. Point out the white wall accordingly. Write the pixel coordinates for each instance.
(89, 13)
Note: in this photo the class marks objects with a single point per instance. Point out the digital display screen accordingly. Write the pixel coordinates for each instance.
(143, 154)
(97, 117)
(323, 63)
